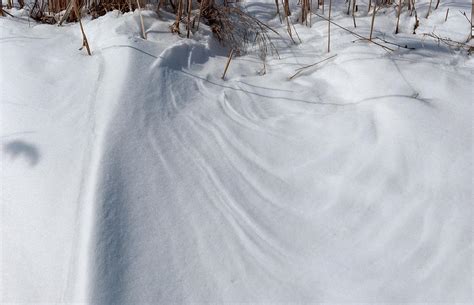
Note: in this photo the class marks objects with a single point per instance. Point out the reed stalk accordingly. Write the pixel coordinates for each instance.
(329, 26)
(353, 12)
(85, 43)
(228, 63)
(278, 10)
(429, 9)
(200, 13)
(141, 20)
(372, 22)
(190, 7)
(398, 17)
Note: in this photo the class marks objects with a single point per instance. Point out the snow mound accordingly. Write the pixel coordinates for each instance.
(138, 176)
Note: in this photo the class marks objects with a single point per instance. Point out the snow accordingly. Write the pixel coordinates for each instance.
(138, 175)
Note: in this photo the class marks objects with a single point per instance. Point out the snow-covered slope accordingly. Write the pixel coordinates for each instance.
(138, 176)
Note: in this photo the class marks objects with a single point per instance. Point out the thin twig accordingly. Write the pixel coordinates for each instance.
(296, 32)
(299, 70)
(355, 34)
(448, 41)
(395, 44)
(464, 14)
(4, 11)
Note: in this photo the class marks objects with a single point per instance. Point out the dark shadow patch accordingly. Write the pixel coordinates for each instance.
(21, 149)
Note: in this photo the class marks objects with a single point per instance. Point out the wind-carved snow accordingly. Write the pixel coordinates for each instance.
(154, 181)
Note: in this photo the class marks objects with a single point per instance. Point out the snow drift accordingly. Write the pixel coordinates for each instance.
(138, 176)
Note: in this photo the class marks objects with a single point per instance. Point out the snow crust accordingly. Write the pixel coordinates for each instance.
(138, 176)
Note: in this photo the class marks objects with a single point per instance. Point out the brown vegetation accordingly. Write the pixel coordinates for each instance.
(232, 26)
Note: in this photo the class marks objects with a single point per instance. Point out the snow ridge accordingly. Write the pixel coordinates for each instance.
(158, 182)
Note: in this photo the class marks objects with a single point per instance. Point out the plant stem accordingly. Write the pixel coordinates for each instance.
(353, 12)
(190, 7)
(429, 9)
(372, 23)
(228, 62)
(85, 43)
(329, 27)
(141, 19)
(398, 17)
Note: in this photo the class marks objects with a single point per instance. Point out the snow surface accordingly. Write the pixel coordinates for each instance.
(138, 176)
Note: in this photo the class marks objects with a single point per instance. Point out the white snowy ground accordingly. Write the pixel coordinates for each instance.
(138, 176)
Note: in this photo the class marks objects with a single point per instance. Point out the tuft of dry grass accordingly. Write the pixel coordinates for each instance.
(238, 30)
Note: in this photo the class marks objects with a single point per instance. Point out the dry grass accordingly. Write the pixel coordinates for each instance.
(233, 27)
(238, 30)
(54, 11)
